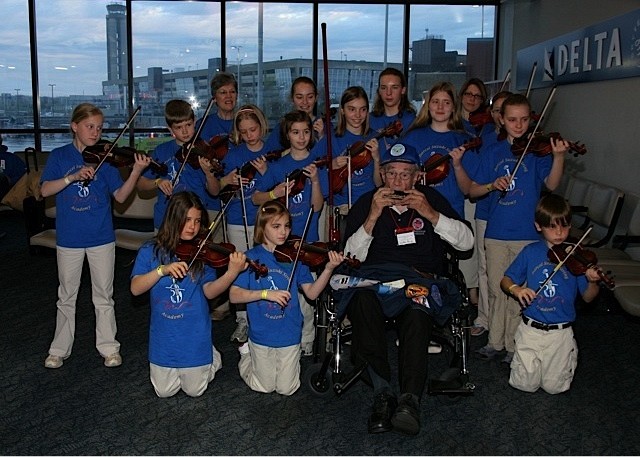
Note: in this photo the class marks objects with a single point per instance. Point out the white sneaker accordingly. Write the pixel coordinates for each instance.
(307, 349)
(434, 348)
(243, 349)
(240, 334)
(113, 360)
(53, 361)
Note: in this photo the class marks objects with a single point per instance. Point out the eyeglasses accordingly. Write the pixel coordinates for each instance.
(404, 175)
(476, 96)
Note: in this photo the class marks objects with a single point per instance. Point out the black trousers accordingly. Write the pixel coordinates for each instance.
(369, 341)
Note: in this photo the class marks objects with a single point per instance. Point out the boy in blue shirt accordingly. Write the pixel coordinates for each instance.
(546, 354)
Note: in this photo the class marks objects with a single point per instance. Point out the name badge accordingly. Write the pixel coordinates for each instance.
(405, 235)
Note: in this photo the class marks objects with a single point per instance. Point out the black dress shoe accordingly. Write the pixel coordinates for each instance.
(383, 407)
(406, 419)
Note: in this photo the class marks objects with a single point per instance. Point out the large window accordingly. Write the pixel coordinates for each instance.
(451, 43)
(15, 77)
(177, 46)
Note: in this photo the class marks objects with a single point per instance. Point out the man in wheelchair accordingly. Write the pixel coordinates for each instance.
(399, 230)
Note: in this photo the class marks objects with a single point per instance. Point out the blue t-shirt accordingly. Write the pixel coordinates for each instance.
(429, 142)
(213, 126)
(299, 204)
(377, 123)
(11, 165)
(268, 324)
(190, 179)
(489, 138)
(236, 158)
(555, 303)
(83, 213)
(180, 326)
(511, 217)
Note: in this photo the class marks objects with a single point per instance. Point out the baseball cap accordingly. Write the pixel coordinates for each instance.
(400, 152)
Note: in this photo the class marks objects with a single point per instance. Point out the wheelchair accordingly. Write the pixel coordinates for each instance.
(328, 374)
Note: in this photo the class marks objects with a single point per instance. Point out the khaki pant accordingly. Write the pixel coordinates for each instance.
(504, 311)
(546, 359)
(193, 380)
(469, 267)
(266, 369)
(101, 265)
(483, 287)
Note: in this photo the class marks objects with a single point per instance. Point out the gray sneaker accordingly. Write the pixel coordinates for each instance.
(239, 335)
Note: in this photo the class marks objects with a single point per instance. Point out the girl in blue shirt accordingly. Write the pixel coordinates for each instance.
(391, 104)
(353, 127)
(84, 226)
(270, 360)
(181, 351)
(438, 130)
(297, 134)
(249, 130)
(510, 221)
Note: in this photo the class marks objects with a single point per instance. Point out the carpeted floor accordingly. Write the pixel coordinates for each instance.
(84, 408)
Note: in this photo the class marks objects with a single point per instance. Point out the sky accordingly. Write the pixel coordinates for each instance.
(173, 35)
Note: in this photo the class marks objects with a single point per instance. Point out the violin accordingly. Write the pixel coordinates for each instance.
(247, 171)
(360, 156)
(541, 145)
(437, 168)
(313, 255)
(118, 156)
(215, 255)
(579, 261)
(480, 118)
(201, 148)
(299, 178)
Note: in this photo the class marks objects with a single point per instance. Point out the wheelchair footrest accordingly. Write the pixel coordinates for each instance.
(456, 386)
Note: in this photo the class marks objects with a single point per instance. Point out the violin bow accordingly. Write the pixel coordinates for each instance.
(302, 238)
(244, 211)
(286, 192)
(85, 183)
(186, 157)
(507, 78)
(533, 74)
(333, 234)
(531, 136)
(563, 261)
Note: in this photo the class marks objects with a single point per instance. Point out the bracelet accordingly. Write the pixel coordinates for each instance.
(263, 294)
(159, 270)
(67, 181)
(272, 195)
(489, 187)
(157, 180)
(511, 288)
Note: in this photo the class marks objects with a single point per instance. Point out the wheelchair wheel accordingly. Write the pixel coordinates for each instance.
(320, 384)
